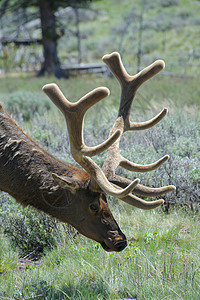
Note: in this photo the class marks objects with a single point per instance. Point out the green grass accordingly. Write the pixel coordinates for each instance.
(8, 255)
(162, 257)
(160, 262)
(160, 91)
(178, 45)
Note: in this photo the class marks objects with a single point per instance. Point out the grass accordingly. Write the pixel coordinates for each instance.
(8, 255)
(160, 262)
(161, 90)
(162, 257)
(176, 43)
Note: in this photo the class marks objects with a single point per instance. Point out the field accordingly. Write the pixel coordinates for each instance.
(160, 262)
(41, 258)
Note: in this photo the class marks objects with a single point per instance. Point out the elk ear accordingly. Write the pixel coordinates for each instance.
(66, 183)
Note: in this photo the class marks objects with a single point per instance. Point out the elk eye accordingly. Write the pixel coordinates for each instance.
(94, 208)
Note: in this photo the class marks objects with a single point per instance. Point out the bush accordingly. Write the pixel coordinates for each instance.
(26, 104)
(179, 136)
(169, 3)
(30, 231)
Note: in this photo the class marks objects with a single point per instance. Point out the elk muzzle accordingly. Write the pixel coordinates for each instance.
(116, 241)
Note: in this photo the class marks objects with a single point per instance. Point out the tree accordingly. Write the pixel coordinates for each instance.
(138, 20)
(50, 34)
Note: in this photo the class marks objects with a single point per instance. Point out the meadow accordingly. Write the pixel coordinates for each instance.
(41, 258)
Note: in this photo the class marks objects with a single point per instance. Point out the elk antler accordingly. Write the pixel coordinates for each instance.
(107, 180)
(74, 116)
(129, 85)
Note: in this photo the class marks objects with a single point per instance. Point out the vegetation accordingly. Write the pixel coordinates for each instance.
(140, 30)
(8, 255)
(161, 260)
(26, 11)
(28, 231)
(162, 257)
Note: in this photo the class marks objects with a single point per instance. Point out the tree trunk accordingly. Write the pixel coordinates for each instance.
(51, 64)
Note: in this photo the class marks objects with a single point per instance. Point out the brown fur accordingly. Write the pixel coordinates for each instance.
(26, 174)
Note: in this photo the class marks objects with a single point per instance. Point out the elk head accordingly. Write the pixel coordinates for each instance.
(95, 218)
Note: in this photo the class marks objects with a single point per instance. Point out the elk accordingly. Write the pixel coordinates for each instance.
(76, 195)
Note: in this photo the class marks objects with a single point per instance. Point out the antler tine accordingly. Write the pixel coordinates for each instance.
(57, 97)
(141, 190)
(149, 123)
(74, 116)
(128, 165)
(140, 203)
(115, 64)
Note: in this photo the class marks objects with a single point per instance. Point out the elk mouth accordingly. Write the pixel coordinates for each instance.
(115, 242)
(115, 246)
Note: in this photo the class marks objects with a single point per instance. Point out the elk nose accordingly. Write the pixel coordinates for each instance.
(120, 244)
(118, 240)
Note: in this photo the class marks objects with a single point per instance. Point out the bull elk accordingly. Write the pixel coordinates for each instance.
(78, 195)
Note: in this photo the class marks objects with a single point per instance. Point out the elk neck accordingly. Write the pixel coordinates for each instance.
(26, 172)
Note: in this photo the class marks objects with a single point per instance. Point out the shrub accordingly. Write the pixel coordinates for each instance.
(30, 231)
(169, 3)
(177, 135)
(26, 104)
